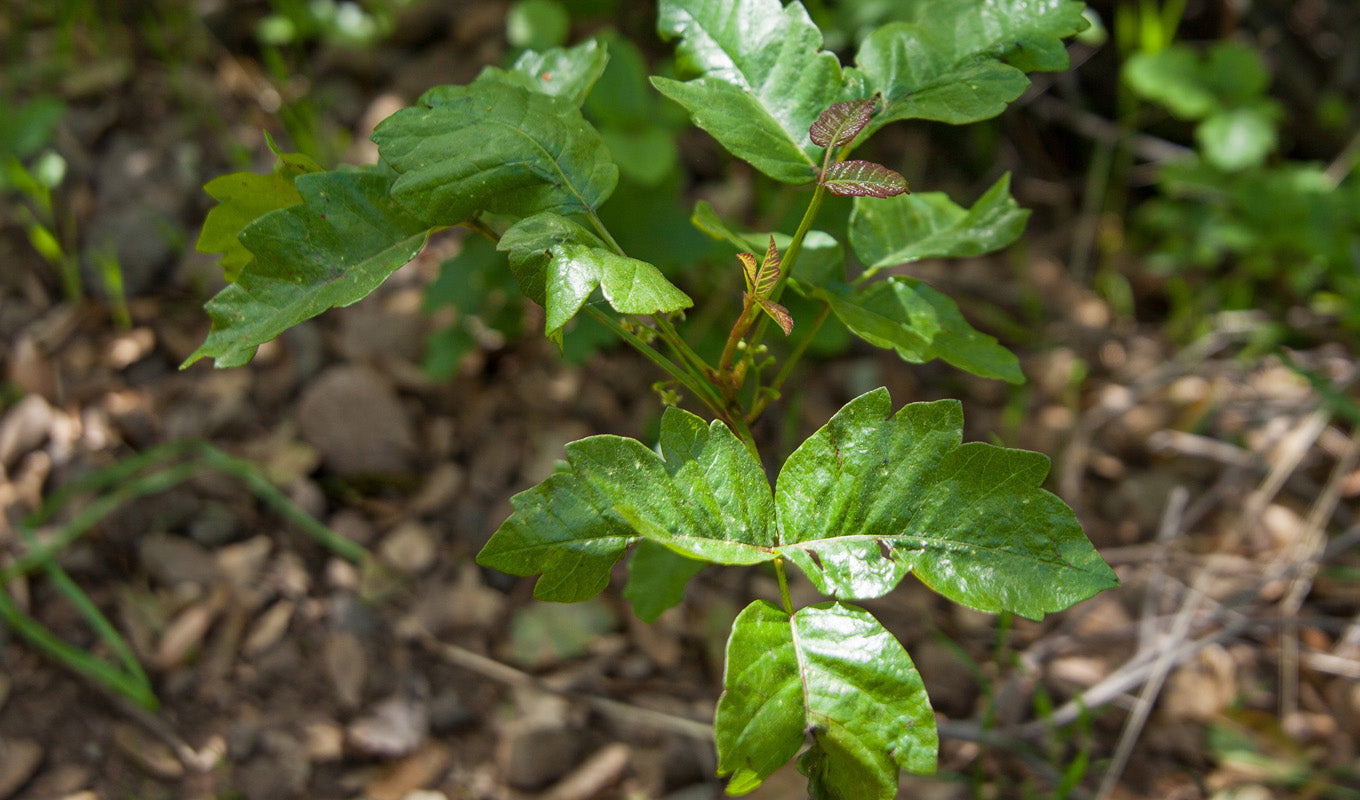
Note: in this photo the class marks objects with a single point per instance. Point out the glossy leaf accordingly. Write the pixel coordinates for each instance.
(909, 228)
(872, 496)
(920, 323)
(863, 179)
(705, 497)
(242, 198)
(569, 73)
(960, 61)
(333, 249)
(842, 122)
(764, 79)
(492, 146)
(559, 264)
(833, 673)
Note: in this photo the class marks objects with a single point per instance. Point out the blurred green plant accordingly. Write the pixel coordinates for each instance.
(142, 475)
(1235, 226)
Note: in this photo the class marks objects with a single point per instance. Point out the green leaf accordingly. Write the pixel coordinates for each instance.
(872, 496)
(862, 179)
(1193, 85)
(537, 24)
(657, 578)
(833, 672)
(494, 147)
(342, 241)
(909, 228)
(559, 264)
(949, 63)
(569, 73)
(705, 497)
(764, 79)
(244, 197)
(1240, 138)
(920, 323)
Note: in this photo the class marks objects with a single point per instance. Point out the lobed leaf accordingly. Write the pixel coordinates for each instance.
(961, 61)
(831, 672)
(862, 179)
(841, 122)
(494, 147)
(332, 249)
(569, 72)
(930, 225)
(764, 79)
(872, 496)
(705, 497)
(559, 264)
(920, 323)
(242, 198)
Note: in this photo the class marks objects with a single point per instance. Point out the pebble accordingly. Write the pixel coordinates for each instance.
(270, 628)
(353, 417)
(19, 759)
(410, 548)
(539, 746)
(347, 666)
(152, 755)
(24, 428)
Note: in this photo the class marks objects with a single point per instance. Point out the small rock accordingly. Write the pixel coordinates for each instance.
(439, 489)
(352, 415)
(353, 526)
(410, 548)
(243, 562)
(324, 741)
(152, 755)
(347, 665)
(172, 560)
(270, 628)
(184, 634)
(601, 770)
(19, 759)
(393, 728)
(24, 428)
(411, 774)
(62, 780)
(279, 772)
(213, 525)
(539, 746)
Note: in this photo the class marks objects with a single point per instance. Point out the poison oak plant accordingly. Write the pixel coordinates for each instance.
(870, 497)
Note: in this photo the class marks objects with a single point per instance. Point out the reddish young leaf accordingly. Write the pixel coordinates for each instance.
(760, 281)
(842, 122)
(863, 179)
(778, 313)
(748, 269)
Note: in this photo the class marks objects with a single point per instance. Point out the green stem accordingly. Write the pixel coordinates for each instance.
(790, 257)
(782, 575)
(682, 348)
(701, 389)
(786, 369)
